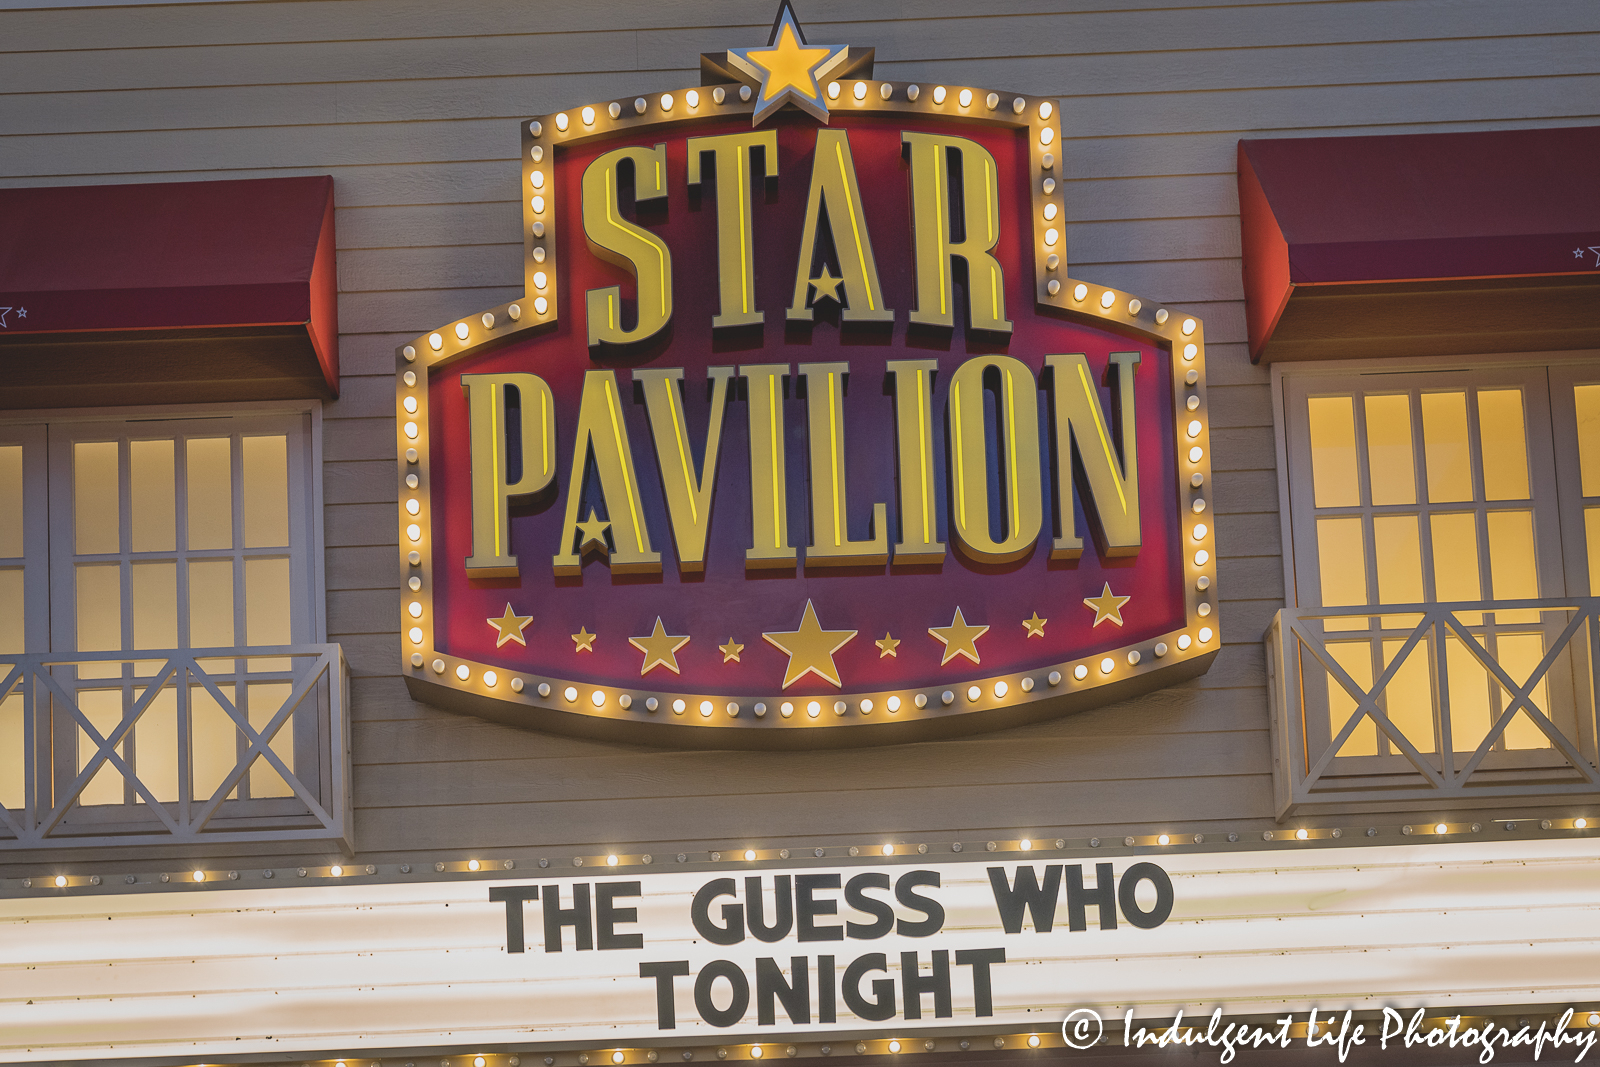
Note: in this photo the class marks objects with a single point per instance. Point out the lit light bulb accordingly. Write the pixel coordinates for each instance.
(888, 850)
(1205, 634)
(61, 881)
(410, 403)
(1025, 844)
(1047, 135)
(666, 101)
(598, 698)
(611, 861)
(1163, 840)
(1441, 829)
(692, 98)
(1050, 211)
(411, 430)
(1107, 665)
(1190, 350)
(1580, 824)
(413, 505)
(414, 532)
(938, 94)
(1107, 298)
(490, 678)
(1001, 689)
(561, 122)
(1195, 427)
(1051, 236)
(1199, 531)
(893, 704)
(1080, 291)
(199, 876)
(860, 90)
(813, 709)
(965, 98)
(1080, 672)
(1183, 642)
(1033, 1040)
(416, 635)
(894, 1046)
(833, 90)
(1301, 834)
(463, 672)
(539, 279)
(415, 609)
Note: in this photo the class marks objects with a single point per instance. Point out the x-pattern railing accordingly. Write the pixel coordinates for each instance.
(1304, 761)
(37, 679)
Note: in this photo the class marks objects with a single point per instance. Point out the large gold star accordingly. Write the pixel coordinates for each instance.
(659, 648)
(827, 287)
(810, 649)
(959, 638)
(887, 646)
(1107, 605)
(511, 626)
(1035, 625)
(730, 651)
(788, 69)
(584, 640)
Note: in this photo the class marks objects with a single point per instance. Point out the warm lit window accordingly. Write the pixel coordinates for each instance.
(152, 542)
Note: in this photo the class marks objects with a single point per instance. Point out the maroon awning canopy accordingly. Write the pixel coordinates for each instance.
(121, 294)
(1422, 244)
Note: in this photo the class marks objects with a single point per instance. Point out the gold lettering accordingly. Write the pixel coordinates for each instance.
(830, 525)
(833, 183)
(769, 494)
(913, 418)
(736, 271)
(492, 490)
(601, 431)
(616, 240)
(1016, 401)
(687, 493)
(932, 218)
(1113, 486)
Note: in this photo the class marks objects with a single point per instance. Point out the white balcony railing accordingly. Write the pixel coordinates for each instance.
(1419, 703)
(243, 745)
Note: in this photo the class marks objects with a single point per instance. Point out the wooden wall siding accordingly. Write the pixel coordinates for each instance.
(411, 105)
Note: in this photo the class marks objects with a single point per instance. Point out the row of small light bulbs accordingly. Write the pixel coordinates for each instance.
(886, 849)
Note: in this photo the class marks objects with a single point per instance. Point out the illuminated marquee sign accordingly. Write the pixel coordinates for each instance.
(802, 433)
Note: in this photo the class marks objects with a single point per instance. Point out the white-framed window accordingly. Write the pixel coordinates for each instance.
(1475, 485)
(146, 536)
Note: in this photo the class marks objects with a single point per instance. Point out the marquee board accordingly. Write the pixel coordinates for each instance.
(802, 433)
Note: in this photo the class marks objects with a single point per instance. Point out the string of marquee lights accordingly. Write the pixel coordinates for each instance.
(1184, 335)
(865, 852)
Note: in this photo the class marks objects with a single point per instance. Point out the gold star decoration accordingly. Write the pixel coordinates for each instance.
(1107, 605)
(826, 286)
(584, 640)
(788, 69)
(810, 649)
(594, 535)
(959, 638)
(1035, 625)
(731, 650)
(511, 626)
(659, 648)
(887, 646)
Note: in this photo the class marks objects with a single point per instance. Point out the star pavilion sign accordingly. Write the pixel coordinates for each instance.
(799, 362)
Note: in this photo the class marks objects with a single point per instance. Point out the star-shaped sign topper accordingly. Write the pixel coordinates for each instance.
(789, 70)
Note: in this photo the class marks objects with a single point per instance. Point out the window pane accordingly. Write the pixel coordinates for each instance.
(1333, 452)
(1587, 400)
(13, 621)
(10, 501)
(1455, 561)
(1390, 464)
(1356, 658)
(266, 492)
(1591, 530)
(1519, 654)
(12, 755)
(1513, 573)
(99, 606)
(96, 509)
(214, 739)
(1398, 553)
(265, 700)
(156, 753)
(211, 603)
(1505, 444)
(1469, 696)
(103, 708)
(1444, 436)
(154, 589)
(266, 590)
(1408, 698)
(210, 485)
(154, 496)
(1342, 558)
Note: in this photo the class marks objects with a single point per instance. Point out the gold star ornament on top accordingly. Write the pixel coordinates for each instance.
(959, 638)
(510, 626)
(810, 649)
(788, 70)
(1107, 605)
(660, 648)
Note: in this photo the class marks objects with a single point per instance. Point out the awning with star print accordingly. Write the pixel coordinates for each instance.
(1421, 245)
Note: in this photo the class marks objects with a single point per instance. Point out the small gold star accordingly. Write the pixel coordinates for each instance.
(826, 286)
(584, 640)
(1107, 605)
(659, 648)
(594, 535)
(731, 650)
(959, 638)
(1035, 625)
(511, 626)
(810, 649)
(887, 646)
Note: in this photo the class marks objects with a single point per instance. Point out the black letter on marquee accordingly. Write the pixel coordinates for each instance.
(607, 916)
(1104, 894)
(514, 895)
(577, 917)
(732, 914)
(807, 909)
(913, 985)
(1038, 900)
(755, 908)
(796, 996)
(882, 1005)
(855, 895)
(905, 893)
(1145, 920)
(979, 960)
(827, 1010)
(664, 973)
(702, 993)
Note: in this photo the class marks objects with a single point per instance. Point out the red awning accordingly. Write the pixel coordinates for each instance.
(232, 283)
(1423, 244)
